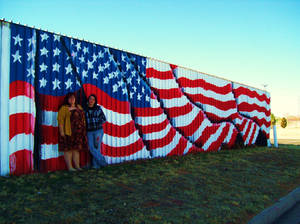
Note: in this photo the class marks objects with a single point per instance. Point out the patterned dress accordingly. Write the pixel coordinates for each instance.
(78, 139)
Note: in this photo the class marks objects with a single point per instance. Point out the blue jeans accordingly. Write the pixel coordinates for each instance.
(94, 140)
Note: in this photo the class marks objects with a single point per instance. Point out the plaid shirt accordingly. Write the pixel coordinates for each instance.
(94, 118)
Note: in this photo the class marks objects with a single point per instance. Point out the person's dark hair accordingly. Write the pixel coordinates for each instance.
(96, 102)
(66, 100)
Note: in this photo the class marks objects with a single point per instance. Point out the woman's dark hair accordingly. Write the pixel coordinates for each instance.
(66, 100)
(96, 102)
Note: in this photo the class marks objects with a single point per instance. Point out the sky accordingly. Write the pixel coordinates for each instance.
(254, 42)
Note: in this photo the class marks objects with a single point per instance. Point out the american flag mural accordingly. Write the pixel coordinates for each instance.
(153, 109)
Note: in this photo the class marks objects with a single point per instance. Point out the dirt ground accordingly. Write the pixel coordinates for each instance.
(288, 135)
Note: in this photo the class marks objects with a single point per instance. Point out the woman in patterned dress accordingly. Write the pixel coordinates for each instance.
(72, 131)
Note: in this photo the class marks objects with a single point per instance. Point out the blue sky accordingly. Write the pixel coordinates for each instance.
(254, 42)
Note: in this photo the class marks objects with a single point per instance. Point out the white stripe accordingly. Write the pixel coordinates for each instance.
(192, 75)
(250, 100)
(50, 151)
(22, 104)
(163, 83)
(4, 97)
(250, 133)
(189, 145)
(185, 120)
(175, 102)
(246, 127)
(257, 114)
(228, 138)
(165, 150)
(49, 118)
(209, 93)
(265, 128)
(116, 118)
(258, 91)
(199, 131)
(218, 112)
(157, 65)
(154, 103)
(144, 121)
(113, 141)
(142, 154)
(20, 142)
(157, 135)
(214, 137)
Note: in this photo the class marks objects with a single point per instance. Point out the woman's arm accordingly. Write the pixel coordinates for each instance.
(61, 130)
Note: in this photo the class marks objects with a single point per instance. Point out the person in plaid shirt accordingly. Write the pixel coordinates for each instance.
(94, 121)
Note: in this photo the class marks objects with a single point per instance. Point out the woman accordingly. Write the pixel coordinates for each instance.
(72, 131)
(95, 119)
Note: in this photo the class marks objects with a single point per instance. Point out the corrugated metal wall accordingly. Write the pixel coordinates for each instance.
(153, 109)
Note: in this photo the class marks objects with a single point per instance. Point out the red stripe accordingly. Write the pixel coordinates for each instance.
(173, 67)
(253, 94)
(147, 112)
(185, 82)
(233, 138)
(216, 144)
(122, 151)
(251, 107)
(199, 98)
(21, 123)
(152, 73)
(49, 135)
(106, 100)
(193, 126)
(158, 143)
(153, 127)
(21, 88)
(248, 130)
(50, 103)
(168, 93)
(21, 162)
(179, 149)
(119, 131)
(179, 111)
(253, 134)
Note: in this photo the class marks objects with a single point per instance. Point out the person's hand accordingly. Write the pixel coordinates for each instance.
(63, 135)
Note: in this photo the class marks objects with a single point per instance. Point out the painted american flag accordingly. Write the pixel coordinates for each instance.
(153, 109)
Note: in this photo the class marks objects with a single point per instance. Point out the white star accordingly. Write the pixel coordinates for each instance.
(120, 83)
(74, 54)
(43, 67)
(56, 67)
(78, 46)
(56, 37)
(68, 69)
(56, 83)
(30, 55)
(128, 66)
(116, 74)
(90, 65)
(134, 88)
(143, 90)
(111, 58)
(133, 73)
(69, 84)
(84, 74)
(131, 95)
(44, 51)
(31, 41)
(110, 75)
(147, 98)
(43, 82)
(17, 57)
(106, 50)
(30, 72)
(18, 40)
(115, 88)
(94, 57)
(138, 80)
(72, 42)
(85, 50)
(139, 96)
(77, 82)
(123, 57)
(100, 68)
(124, 91)
(56, 52)
(143, 62)
(95, 75)
(139, 67)
(81, 59)
(100, 54)
(106, 65)
(44, 36)
(105, 80)
(129, 80)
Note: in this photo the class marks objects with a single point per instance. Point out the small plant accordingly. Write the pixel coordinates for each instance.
(273, 119)
(283, 123)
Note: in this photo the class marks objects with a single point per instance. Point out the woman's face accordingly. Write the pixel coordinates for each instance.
(92, 101)
(72, 100)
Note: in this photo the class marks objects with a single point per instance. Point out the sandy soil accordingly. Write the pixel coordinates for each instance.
(288, 135)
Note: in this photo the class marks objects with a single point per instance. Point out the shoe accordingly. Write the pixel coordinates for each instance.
(79, 169)
(72, 169)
